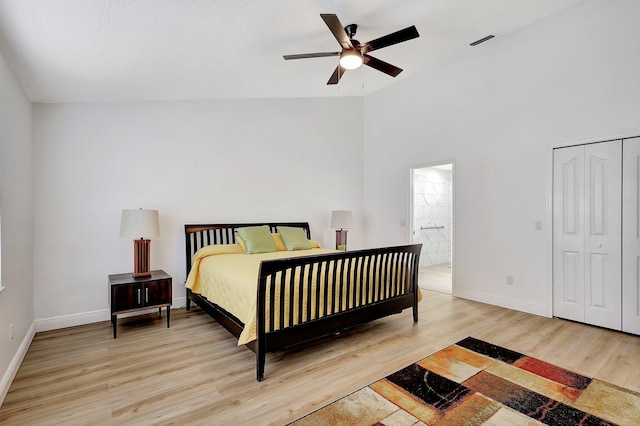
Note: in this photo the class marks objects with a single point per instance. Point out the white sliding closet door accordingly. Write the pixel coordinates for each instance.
(631, 237)
(587, 233)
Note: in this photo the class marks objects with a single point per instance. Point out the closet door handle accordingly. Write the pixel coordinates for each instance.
(599, 245)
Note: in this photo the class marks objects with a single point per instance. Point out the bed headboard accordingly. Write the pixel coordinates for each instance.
(198, 236)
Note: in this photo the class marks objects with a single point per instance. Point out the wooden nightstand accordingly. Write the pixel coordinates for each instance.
(129, 294)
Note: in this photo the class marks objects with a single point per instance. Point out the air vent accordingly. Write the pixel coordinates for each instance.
(482, 40)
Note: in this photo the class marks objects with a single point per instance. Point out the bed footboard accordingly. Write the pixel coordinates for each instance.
(305, 298)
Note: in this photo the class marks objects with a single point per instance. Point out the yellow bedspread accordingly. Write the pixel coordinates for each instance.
(228, 277)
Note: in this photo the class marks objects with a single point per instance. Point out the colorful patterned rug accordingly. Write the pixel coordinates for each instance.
(477, 383)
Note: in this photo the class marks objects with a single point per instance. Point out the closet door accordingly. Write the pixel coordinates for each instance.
(603, 234)
(587, 234)
(631, 237)
(568, 233)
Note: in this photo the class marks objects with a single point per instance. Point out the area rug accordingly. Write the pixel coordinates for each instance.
(477, 383)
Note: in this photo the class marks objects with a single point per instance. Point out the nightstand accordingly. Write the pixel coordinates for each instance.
(130, 294)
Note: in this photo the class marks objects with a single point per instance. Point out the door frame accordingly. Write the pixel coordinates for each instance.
(411, 197)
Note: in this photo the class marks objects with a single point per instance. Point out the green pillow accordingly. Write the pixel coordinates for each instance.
(257, 239)
(294, 238)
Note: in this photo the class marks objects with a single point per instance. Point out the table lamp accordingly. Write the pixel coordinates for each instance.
(340, 221)
(140, 223)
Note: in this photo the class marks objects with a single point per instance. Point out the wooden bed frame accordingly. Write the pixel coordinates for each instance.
(392, 289)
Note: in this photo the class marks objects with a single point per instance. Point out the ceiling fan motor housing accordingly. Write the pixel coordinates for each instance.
(351, 30)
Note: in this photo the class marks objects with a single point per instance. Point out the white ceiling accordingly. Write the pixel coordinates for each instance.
(147, 50)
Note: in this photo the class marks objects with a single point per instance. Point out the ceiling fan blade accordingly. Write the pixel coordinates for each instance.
(383, 66)
(337, 29)
(390, 39)
(311, 55)
(337, 75)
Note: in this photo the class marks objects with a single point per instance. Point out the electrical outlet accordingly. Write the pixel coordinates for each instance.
(509, 279)
(11, 332)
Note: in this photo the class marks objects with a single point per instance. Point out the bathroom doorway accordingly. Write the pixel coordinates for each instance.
(431, 223)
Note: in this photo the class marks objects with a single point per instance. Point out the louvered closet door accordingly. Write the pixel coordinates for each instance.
(587, 234)
(568, 233)
(631, 236)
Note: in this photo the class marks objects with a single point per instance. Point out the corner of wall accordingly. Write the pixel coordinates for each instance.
(11, 372)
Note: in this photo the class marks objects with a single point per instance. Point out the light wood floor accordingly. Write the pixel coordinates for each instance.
(194, 374)
(436, 278)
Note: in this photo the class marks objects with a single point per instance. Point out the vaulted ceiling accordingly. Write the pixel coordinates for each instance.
(149, 50)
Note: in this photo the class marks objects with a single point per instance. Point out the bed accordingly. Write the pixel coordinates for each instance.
(290, 297)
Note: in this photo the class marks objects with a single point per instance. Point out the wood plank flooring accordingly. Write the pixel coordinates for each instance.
(194, 374)
(435, 277)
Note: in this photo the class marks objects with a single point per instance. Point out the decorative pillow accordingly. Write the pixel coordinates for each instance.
(277, 238)
(315, 244)
(294, 238)
(240, 242)
(257, 239)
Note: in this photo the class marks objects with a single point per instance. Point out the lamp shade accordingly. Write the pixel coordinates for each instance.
(139, 223)
(341, 219)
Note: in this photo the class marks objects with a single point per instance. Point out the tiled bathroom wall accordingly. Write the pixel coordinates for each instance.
(432, 215)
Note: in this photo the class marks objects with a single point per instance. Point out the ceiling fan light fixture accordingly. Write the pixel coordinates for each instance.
(354, 54)
(350, 59)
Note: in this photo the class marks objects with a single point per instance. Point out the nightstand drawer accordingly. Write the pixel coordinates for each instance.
(126, 297)
(157, 292)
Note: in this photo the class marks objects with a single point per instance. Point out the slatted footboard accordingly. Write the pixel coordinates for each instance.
(305, 298)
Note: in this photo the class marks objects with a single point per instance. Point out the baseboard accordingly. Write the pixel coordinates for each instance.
(179, 302)
(518, 305)
(11, 372)
(64, 321)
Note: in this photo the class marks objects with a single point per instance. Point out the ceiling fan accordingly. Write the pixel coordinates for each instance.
(353, 52)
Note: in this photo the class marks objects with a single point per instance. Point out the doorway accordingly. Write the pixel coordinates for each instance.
(431, 223)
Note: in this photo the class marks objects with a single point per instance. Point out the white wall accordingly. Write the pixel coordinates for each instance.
(196, 162)
(499, 112)
(16, 300)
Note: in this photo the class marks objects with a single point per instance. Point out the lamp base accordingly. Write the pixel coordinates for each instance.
(341, 239)
(141, 254)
